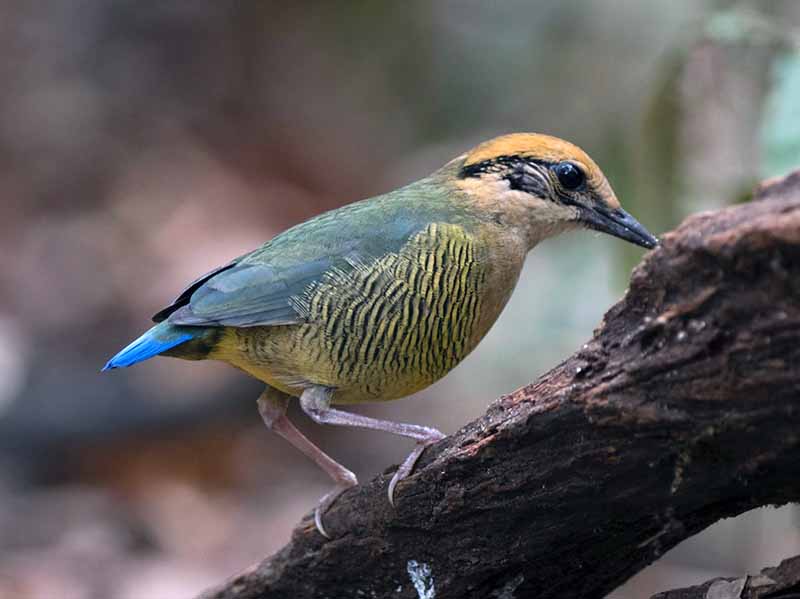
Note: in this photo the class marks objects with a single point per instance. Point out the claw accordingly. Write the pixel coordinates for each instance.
(407, 467)
(328, 500)
(318, 523)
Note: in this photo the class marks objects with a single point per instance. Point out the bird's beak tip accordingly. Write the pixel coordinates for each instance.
(620, 224)
(651, 243)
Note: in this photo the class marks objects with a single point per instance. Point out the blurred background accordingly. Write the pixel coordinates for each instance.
(143, 143)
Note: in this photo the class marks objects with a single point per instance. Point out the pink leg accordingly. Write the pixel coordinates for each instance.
(316, 402)
(272, 406)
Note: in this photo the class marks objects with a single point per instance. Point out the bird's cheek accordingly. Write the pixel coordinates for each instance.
(546, 218)
(548, 213)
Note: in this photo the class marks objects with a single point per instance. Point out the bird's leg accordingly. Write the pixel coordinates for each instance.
(316, 402)
(272, 406)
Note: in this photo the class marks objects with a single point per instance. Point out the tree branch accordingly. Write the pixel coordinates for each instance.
(782, 582)
(683, 409)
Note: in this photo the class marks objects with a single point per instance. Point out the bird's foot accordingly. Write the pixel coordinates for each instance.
(408, 464)
(344, 483)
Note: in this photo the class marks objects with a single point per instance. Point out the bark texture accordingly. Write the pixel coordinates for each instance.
(782, 582)
(684, 408)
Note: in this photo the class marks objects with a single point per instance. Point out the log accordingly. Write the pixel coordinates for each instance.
(782, 582)
(683, 409)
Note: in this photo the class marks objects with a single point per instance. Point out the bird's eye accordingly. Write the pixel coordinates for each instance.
(569, 175)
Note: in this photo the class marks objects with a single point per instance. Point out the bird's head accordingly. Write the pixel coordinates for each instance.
(542, 186)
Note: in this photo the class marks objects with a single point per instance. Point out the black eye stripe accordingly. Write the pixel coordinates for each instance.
(494, 165)
(529, 182)
(522, 174)
(529, 175)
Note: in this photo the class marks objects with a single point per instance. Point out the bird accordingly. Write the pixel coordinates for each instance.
(378, 299)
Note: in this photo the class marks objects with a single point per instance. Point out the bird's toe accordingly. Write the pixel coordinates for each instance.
(407, 467)
(329, 499)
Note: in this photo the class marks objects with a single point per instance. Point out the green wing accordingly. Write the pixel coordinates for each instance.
(244, 294)
(257, 289)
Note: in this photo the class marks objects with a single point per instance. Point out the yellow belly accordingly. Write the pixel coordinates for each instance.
(292, 372)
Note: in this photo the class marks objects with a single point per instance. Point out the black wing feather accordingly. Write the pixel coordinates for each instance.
(186, 294)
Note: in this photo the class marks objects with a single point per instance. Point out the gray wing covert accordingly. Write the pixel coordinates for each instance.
(247, 294)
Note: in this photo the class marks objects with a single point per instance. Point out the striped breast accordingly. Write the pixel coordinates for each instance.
(389, 326)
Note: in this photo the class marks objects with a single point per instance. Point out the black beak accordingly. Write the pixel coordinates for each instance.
(619, 224)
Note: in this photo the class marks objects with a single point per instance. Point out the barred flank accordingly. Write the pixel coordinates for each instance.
(406, 316)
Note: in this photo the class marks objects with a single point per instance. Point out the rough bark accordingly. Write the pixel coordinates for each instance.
(683, 409)
(782, 582)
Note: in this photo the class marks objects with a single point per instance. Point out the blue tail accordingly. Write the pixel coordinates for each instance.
(159, 339)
